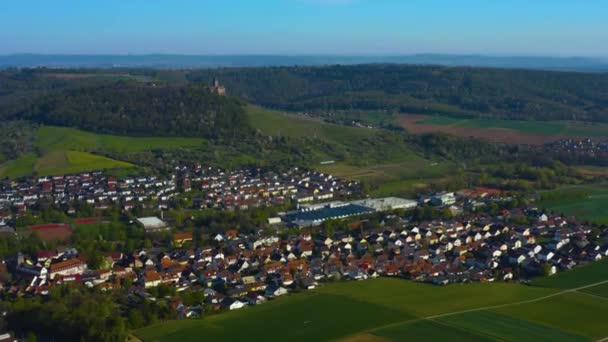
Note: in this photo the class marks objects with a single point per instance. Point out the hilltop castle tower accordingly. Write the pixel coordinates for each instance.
(217, 88)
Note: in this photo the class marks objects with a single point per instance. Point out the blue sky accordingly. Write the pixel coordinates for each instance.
(368, 27)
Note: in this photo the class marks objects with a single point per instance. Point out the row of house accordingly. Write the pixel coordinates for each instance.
(216, 188)
(236, 270)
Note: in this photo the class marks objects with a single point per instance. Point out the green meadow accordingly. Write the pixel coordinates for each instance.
(529, 127)
(582, 276)
(362, 154)
(586, 202)
(396, 310)
(52, 138)
(59, 162)
(68, 150)
(278, 124)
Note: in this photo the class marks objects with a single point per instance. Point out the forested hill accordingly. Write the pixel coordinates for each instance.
(499, 93)
(136, 108)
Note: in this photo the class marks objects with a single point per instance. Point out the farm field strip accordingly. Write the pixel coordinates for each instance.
(503, 131)
(383, 163)
(493, 307)
(592, 295)
(397, 316)
(68, 150)
(600, 291)
(589, 207)
(531, 127)
(497, 326)
(51, 138)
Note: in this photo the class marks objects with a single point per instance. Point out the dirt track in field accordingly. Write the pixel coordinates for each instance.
(413, 124)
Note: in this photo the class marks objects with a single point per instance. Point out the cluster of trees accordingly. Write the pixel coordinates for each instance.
(133, 108)
(85, 314)
(68, 314)
(500, 93)
(466, 150)
(528, 176)
(16, 139)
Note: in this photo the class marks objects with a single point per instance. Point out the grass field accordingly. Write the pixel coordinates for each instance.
(392, 168)
(52, 138)
(19, 167)
(428, 331)
(529, 127)
(64, 162)
(590, 207)
(503, 131)
(588, 274)
(573, 313)
(59, 162)
(502, 327)
(599, 291)
(68, 150)
(396, 310)
(281, 124)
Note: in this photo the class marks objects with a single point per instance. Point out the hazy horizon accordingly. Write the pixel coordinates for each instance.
(244, 54)
(543, 28)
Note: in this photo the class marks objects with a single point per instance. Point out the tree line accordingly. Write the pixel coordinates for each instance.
(461, 92)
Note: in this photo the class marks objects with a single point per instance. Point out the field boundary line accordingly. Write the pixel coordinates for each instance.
(592, 295)
(491, 307)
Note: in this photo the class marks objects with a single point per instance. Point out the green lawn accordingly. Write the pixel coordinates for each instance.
(592, 206)
(529, 127)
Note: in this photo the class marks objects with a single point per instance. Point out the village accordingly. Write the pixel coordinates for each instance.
(474, 235)
(586, 150)
(215, 188)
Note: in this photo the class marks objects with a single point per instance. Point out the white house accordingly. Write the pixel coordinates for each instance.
(237, 305)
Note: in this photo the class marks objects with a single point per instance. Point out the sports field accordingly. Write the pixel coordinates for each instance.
(505, 131)
(586, 202)
(396, 310)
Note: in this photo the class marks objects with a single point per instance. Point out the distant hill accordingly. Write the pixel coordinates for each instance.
(202, 61)
(454, 91)
(128, 108)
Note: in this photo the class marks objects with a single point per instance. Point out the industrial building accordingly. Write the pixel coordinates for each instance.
(152, 224)
(387, 203)
(310, 215)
